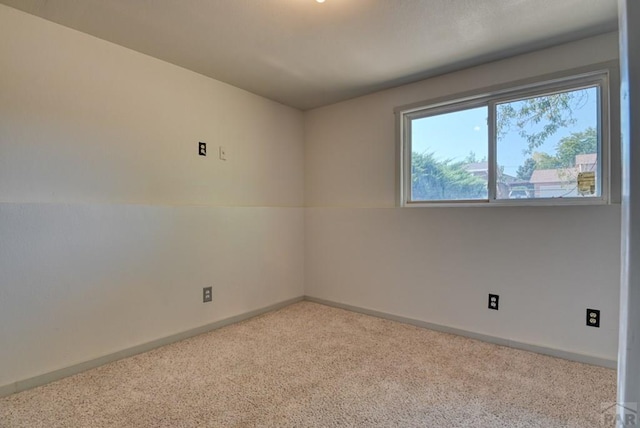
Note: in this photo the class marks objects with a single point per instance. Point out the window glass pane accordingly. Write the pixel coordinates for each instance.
(548, 146)
(449, 156)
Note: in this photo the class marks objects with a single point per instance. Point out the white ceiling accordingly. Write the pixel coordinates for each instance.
(305, 54)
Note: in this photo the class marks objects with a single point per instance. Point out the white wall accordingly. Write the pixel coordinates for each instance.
(110, 224)
(438, 264)
(629, 346)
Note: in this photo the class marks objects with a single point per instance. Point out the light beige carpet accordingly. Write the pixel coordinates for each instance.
(310, 365)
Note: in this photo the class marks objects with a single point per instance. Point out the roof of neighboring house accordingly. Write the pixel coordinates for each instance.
(587, 159)
(561, 175)
(483, 167)
(506, 178)
(477, 167)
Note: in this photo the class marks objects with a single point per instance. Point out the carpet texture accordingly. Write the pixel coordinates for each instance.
(310, 365)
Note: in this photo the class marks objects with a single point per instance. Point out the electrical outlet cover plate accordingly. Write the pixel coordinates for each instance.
(207, 294)
(593, 318)
(202, 148)
(494, 301)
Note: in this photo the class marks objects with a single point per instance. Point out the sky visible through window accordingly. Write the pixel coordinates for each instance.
(455, 135)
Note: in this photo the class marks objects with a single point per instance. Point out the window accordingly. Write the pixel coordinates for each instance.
(537, 143)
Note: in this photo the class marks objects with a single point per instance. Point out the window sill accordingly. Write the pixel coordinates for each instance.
(510, 203)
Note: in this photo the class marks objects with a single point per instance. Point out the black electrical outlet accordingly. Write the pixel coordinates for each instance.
(494, 301)
(593, 317)
(207, 294)
(202, 148)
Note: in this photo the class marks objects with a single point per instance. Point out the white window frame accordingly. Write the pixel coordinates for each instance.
(601, 75)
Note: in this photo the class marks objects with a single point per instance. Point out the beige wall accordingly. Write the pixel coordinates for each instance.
(438, 264)
(110, 223)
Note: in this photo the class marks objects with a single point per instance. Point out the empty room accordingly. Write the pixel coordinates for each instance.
(319, 213)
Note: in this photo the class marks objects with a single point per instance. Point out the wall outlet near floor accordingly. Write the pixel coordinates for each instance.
(222, 153)
(202, 148)
(494, 301)
(207, 294)
(593, 317)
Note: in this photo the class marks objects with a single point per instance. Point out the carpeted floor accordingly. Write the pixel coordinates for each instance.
(310, 365)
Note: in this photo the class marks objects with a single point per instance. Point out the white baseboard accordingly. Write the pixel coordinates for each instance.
(558, 353)
(45, 378)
